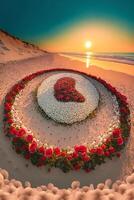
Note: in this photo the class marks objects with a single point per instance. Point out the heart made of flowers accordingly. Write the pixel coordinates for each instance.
(64, 90)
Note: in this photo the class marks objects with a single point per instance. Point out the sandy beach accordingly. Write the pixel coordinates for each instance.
(23, 170)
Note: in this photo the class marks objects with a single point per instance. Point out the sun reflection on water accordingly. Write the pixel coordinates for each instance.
(88, 59)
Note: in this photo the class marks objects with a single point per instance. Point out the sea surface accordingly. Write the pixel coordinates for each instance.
(119, 62)
(126, 58)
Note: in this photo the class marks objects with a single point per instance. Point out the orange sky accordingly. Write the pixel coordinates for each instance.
(105, 37)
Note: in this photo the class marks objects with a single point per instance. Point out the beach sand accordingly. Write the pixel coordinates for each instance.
(23, 170)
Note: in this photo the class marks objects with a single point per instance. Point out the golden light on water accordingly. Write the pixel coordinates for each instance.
(88, 45)
(88, 59)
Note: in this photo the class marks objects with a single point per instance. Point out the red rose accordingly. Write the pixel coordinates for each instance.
(7, 115)
(103, 146)
(80, 149)
(41, 161)
(107, 153)
(69, 157)
(49, 153)
(57, 151)
(41, 150)
(33, 147)
(118, 154)
(75, 155)
(85, 158)
(93, 151)
(108, 140)
(9, 98)
(111, 149)
(100, 151)
(29, 138)
(8, 106)
(43, 158)
(10, 121)
(63, 154)
(120, 141)
(21, 132)
(13, 131)
(117, 132)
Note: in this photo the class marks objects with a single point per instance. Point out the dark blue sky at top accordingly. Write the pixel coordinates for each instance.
(33, 19)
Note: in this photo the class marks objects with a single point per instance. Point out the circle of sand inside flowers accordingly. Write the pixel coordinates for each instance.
(81, 157)
(77, 97)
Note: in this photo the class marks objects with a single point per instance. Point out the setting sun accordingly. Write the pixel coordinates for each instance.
(88, 44)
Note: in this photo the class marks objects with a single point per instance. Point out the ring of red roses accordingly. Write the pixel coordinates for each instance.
(81, 157)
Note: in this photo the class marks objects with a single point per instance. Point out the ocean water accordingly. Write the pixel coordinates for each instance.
(125, 58)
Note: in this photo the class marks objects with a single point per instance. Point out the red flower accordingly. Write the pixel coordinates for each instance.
(107, 153)
(85, 158)
(29, 138)
(49, 153)
(10, 121)
(100, 151)
(57, 151)
(117, 132)
(41, 150)
(41, 161)
(8, 106)
(120, 141)
(93, 151)
(118, 154)
(63, 153)
(103, 146)
(33, 147)
(111, 149)
(80, 149)
(70, 157)
(9, 98)
(21, 132)
(13, 131)
(75, 155)
(7, 115)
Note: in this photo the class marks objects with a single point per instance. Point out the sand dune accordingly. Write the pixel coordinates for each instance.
(12, 48)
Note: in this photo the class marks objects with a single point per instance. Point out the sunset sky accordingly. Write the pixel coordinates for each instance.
(66, 25)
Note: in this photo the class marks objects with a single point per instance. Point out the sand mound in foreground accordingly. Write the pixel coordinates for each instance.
(15, 190)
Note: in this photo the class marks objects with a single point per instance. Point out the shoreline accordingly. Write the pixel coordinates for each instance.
(105, 64)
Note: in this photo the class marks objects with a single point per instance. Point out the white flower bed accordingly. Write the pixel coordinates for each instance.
(67, 112)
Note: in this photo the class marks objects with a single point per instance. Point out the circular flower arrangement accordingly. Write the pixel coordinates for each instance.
(81, 157)
(67, 97)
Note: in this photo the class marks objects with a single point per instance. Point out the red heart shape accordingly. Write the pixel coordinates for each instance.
(64, 90)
